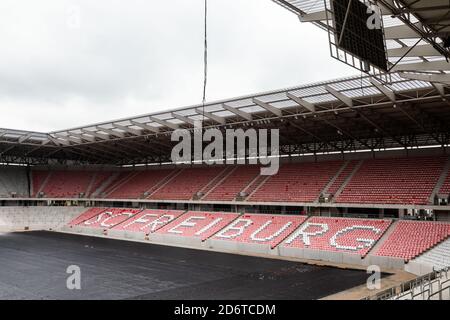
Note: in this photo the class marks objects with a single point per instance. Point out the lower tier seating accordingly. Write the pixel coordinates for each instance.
(405, 240)
(149, 220)
(412, 238)
(109, 218)
(356, 236)
(260, 228)
(89, 214)
(198, 224)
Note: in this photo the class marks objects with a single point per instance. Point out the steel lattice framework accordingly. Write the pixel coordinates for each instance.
(351, 114)
(415, 33)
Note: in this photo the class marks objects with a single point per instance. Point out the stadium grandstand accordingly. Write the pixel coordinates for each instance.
(364, 176)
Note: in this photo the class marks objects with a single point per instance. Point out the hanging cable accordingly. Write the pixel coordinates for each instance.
(205, 59)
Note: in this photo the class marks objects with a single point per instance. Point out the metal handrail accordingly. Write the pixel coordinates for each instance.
(407, 288)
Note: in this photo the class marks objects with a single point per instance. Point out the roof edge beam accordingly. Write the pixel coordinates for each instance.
(129, 130)
(144, 126)
(384, 90)
(165, 123)
(211, 116)
(240, 113)
(183, 118)
(111, 132)
(341, 97)
(305, 104)
(268, 107)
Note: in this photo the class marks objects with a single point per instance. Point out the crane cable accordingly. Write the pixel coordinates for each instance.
(205, 59)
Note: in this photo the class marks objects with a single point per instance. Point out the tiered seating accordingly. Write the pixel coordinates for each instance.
(109, 218)
(445, 188)
(39, 177)
(67, 184)
(13, 180)
(98, 180)
(198, 224)
(356, 236)
(412, 238)
(90, 213)
(299, 182)
(394, 181)
(233, 184)
(135, 187)
(260, 228)
(149, 221)
(340, 179)
(120, 178)
(438, 257)
(186, 184)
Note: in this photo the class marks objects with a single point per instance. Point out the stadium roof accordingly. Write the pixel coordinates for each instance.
(357, 113)
(415, 31)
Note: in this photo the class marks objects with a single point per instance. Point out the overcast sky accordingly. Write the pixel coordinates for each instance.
(67, 63)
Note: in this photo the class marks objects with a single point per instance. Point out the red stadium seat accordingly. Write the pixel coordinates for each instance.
(412, 238)
(109, 218)
(260, 228)
(394, 181)
(198, 224)
(228, 189)
(297, 182)
(186, 184)
(355, 236)
(149, 221)
(90, 213)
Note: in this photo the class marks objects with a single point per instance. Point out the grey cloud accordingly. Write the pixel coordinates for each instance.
(134, 57)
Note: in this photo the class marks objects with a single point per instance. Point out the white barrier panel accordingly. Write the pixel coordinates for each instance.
(116, 233)
(384, 262)
(176, 240)
(349, 258)
(291, 252)
(134, 235)
(239, 246)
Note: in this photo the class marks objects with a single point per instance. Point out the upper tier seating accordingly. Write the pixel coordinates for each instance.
(394, 181)
(297, 182)
(137, 185)
(412, 238)
(149, 221)
(187, 183)
(198, 224)
(109, 218)
(445, 188)
(340, 179)
(99, 179)
(38, 178)
(88, 214)
(228, 189)
(13, 181)
(260, 228)
(117, 180)
(356, 236)
(67, 184)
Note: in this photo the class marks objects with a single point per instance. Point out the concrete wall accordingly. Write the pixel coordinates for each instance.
(235, 246)
(36, 218)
